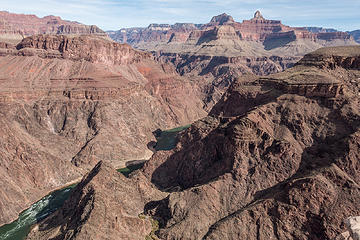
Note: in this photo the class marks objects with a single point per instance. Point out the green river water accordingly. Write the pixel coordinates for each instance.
(19, 229)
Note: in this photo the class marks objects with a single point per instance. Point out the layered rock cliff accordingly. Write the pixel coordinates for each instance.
(207, 52)
(90, 49)
(68, 102)
(214, 74)
(14, 27)
(256, 29)
(267, 162)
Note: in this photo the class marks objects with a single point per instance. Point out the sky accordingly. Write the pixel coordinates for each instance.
(343, 15)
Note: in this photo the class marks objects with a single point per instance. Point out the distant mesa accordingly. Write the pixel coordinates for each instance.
(272, 33)
(222, 18)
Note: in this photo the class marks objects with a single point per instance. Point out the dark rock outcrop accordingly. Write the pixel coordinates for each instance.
(320, 29)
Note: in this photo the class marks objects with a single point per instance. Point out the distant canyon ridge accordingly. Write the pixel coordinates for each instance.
(14, 27)
(223, 50)
(256, 29)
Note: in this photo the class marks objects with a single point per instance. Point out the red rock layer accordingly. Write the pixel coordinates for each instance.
(255, 29)
(27, 25)
(94, 50)
(68, 102)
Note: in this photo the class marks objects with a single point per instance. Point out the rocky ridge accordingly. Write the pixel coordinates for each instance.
(256, 29)
(267, 162)
(259, 164)
(78, 100)
(108, 205)
(90, 49)
(14, 27)
(215, 74)
(211, 51)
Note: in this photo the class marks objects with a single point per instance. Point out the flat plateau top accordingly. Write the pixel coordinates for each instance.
(300, 75)
(346, 51)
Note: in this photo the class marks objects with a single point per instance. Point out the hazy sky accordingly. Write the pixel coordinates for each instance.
(115, 14)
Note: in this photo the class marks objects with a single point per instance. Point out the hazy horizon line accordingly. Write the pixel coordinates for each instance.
(112, 15)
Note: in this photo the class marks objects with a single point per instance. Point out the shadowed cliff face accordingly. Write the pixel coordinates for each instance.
(68, 102)
(275, 158)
